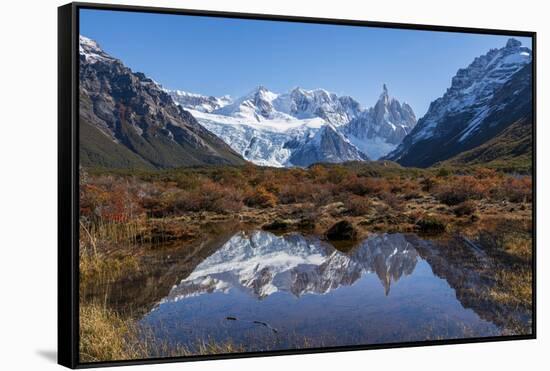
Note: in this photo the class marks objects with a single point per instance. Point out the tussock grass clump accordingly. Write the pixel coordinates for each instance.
(107, 336)
(100, 269)
(515, 287)
(357, 205)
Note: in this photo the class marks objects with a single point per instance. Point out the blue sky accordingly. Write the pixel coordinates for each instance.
(218, 56)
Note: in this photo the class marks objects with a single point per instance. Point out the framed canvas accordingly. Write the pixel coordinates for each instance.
(238, 185)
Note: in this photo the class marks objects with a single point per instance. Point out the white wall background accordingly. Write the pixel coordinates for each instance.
(28, 156)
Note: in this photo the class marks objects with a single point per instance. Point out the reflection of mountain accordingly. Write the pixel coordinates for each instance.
(472, 274)
(390, 256)
(261, 264)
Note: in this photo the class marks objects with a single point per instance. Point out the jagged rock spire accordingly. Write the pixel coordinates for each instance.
(513, 43)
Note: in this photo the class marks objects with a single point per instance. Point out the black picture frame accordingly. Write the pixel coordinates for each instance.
(68, 187)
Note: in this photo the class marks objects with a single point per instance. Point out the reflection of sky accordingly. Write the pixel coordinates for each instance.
(217, 56)
(340, 300)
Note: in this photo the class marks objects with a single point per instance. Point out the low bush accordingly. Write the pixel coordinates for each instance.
(392, 200)
(459, 189)
(465, 208)
(518, 189)
(260, 197)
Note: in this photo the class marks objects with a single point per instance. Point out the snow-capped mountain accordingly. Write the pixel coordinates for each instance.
(493, 92)
(326, 145)
(199, 102)
(299, 103)
(260, 264)
(279, 130)
(265, 143)
(254, 106)
(90, 51)
(304, 104)
(378, 130)
(128, 121)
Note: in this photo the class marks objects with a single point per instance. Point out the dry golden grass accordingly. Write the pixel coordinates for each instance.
(520, 245)
(515, 287)
(100, 269)
(107, 336)
(99, 265)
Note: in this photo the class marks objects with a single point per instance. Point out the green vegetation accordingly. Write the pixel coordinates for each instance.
(96, 148)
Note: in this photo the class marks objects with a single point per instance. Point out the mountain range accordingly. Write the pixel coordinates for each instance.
(129, 120)
(302, 127)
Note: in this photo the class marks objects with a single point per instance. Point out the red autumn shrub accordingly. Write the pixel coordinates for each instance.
(364, 185)
(391, 200)
(294, 193)
(518, 189)
(458, 189)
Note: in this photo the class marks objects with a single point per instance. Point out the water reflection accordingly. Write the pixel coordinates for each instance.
(263, 291)
(260, 264)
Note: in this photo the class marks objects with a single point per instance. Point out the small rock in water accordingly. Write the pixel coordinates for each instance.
(278, 224)
(341, 231)
(231, 318)
(431, 225)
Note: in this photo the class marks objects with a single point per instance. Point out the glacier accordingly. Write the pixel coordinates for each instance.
(301, 127)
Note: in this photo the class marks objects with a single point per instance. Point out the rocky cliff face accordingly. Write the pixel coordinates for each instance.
(128, 120)
(327, 145)
(493, 92)
(380, 129)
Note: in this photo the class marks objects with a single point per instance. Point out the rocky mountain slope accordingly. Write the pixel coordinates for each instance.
(511, 149)
(485, 98)
(128, 120)
(327, 145)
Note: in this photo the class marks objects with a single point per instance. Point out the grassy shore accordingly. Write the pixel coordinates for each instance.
(107, 336)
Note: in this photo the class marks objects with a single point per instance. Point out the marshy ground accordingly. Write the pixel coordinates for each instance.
(127, 217)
